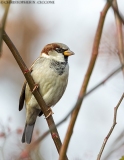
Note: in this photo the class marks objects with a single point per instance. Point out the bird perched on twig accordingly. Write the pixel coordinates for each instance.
(50, 73)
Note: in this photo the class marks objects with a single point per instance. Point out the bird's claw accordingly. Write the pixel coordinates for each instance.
(35, 87)
(50, 113)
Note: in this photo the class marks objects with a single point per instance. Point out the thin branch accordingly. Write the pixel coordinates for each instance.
(115, 145)
(3, 22)
(44, 108)
(120, 16)
(112, 127)
(119, 34)
(85, 95)
(85, 82)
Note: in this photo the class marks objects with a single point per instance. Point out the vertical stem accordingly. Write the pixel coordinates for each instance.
(85, 82)
(119, 35)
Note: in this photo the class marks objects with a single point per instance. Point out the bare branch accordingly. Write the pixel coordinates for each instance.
(120, 16)
(44, 108)
(112, 127)
(2, 25)
(119, 34)
(85, 82)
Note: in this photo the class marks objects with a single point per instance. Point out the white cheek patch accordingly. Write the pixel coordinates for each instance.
(45, 55)
(58, 57)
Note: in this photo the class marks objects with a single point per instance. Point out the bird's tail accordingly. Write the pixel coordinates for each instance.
(27, 134)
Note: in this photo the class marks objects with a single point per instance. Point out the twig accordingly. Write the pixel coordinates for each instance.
(85, 95)
(120, 16)
(2, 25)
(85, 82)
(119, 34)
(44, 108)
(114, 146)
(112, 127)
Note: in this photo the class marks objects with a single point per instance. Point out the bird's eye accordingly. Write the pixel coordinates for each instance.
(59, 50)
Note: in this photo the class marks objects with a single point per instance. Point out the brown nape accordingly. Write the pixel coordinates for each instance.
(49, 47)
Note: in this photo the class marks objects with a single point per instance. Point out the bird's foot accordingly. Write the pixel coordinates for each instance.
(27, 71)
(50, 113)
(35, 87)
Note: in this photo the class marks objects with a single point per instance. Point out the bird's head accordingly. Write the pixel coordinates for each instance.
(56, 51)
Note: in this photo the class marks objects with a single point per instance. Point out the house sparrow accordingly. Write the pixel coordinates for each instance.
(50, 72)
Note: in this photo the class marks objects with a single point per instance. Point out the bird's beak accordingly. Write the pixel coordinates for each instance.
(68, 53)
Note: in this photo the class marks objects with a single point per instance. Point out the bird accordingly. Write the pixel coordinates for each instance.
(50, 72)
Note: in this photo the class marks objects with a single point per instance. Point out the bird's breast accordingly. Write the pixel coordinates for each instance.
(52, 83)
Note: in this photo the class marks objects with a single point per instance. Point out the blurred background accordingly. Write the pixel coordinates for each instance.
(31, 27)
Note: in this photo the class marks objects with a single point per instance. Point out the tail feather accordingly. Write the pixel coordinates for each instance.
(23, 136)
(27, 134)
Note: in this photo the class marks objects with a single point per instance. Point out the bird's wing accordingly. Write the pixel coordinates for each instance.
(22, 97)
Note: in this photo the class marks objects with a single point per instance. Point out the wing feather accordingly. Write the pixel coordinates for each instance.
(22, 97)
